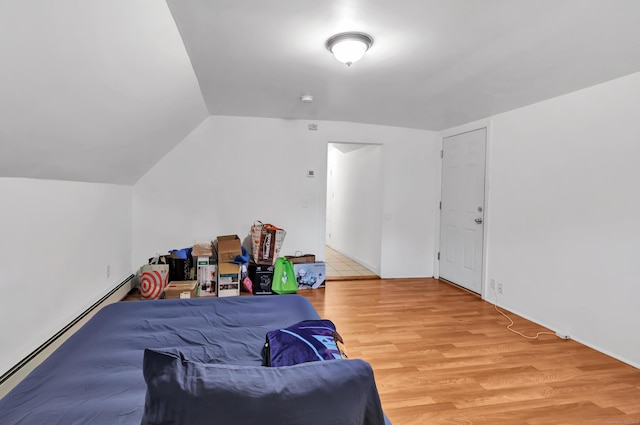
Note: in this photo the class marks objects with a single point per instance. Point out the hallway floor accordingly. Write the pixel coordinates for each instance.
(340, 267)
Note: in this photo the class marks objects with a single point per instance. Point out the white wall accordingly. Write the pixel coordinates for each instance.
(563, 205)
(354, 202)
(231, 171)
(57, 240)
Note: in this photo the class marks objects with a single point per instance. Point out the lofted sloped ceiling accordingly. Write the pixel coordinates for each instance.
(100, 90)
(434, 64)
(94, 91)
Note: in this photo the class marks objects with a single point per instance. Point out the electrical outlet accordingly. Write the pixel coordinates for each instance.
(108, 270)
(500, 288)
(492, 284)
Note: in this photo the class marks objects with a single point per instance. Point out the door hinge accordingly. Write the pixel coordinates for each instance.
(441, 154)
(440, 204)
(438, 256)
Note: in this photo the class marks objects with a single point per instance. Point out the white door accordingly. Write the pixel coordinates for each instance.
(462, 209)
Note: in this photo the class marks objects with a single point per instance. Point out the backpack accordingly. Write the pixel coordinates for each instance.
(306, 341)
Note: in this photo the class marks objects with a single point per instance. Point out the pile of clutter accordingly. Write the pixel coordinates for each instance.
(224, 267)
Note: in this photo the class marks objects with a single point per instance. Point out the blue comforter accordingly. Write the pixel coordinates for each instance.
(96, 376)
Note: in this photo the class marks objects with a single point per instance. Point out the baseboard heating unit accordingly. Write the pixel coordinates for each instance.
(14, 375)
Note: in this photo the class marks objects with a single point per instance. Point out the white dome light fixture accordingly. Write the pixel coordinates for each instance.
(349, 47)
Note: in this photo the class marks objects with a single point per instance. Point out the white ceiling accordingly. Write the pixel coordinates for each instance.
(93, 91)
(100, 90)
(434, 63)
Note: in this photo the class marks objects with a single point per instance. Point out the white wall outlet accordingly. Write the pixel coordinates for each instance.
(108, 270)
(500, 288)
(562, 335)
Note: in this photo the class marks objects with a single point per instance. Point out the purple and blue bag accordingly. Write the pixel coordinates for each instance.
(306, 341)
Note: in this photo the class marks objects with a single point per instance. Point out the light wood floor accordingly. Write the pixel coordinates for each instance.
(443, 356)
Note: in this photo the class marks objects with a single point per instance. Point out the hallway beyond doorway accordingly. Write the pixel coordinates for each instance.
(340, 267)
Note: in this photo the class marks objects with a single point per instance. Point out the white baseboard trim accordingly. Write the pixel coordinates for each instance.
(18, 372)
(572, 337)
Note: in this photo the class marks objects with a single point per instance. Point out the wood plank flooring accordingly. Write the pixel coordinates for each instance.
(443, 356)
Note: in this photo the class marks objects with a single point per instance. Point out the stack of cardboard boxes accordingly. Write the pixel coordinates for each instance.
(204, 261)
(181, 276)
(228, 273)
(216, 275)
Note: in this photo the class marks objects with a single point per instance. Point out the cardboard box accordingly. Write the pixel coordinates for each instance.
(310, 275)
(203, 272)
(228, 248)
(228, 279)
(181, 289)
(261, 277)
(202, 249)
(209, 290)
(303, 258)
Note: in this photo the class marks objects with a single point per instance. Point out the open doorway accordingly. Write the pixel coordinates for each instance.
(354, 211)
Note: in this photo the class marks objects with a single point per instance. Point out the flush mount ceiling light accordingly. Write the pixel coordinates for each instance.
(349, 47)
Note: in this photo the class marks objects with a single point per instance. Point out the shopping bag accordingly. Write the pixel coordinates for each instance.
(284, 278)
(266, 242)
(154, 277)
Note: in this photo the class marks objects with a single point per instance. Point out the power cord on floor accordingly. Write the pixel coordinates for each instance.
(509, 327)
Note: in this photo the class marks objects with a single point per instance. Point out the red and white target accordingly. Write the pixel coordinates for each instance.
(152, 283)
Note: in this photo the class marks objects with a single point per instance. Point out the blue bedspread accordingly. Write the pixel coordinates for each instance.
(96, 377)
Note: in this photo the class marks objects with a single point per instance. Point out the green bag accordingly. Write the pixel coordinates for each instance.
(284, 278)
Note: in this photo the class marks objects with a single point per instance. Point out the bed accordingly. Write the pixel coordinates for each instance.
(191, 361)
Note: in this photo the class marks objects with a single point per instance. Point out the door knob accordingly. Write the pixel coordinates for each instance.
(478, 221)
